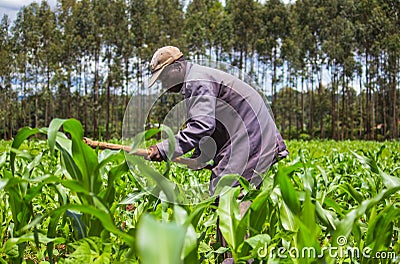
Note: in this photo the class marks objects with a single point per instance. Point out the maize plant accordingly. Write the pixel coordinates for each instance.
(64, 202)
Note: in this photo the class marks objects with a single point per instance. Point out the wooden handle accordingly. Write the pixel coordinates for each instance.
(191, 163)
(105, 145)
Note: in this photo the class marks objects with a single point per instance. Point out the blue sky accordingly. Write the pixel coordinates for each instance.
(11, 7)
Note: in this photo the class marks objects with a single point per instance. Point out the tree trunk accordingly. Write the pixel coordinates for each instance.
(302, 103)
(25, 102)
(321, 115)
(298, 123)
(343, 108)
(351, 111)
(360, 135)
(368, 103)
(109, 83)
(395, 123)
(85, 103)
(333, 105)
(36, 110)
(274, 78)
(96, 93)
(311, 128)
(68, 92)
(10, 118)
(4, 110)
(290, 107)
(346, 135)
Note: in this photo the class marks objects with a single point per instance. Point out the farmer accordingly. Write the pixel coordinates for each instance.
(228, 122)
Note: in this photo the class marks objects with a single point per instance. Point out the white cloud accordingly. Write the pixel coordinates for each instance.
(11, 7)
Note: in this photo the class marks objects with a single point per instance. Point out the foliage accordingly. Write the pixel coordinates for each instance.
(331, 67)
(62, 202)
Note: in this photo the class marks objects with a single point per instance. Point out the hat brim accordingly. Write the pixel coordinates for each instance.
(155, 76)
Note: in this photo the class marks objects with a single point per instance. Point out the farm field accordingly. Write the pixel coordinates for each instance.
(63, 202)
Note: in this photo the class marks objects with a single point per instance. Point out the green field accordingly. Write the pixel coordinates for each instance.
(328, 202)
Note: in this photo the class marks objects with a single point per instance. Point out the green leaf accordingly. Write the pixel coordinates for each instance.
(388, 180)
(113, 173)
(195, 216)
(11, 242)
(379, 233)
(259, 240)
(104, 217)
(133, 198)
(78, 224)
(287, 218)
(190, 244)
(288, 192)
(75, 186)
(171, 138)
(230, 224)
(23, 134)
(352, 192)
(85, 157)
(159, 242)
(167, 187)
(54, 127)
(325, 216)
(3, 159)
(151, 132)
(258, 212)
(225, 183)
(69, 164)
(3, 183)
(308, 233)
(345, 226)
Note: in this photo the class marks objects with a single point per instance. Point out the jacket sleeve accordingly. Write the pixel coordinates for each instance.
(200, 99)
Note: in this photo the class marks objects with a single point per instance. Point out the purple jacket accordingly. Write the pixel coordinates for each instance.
(230, 123)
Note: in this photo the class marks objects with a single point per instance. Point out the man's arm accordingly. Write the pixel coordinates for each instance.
(201, 101)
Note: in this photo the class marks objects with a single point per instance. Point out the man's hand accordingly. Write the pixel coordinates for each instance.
(154, 154)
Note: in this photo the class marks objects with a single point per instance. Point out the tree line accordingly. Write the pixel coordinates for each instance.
(330, 68)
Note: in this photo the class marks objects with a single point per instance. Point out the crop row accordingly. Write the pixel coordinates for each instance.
(63, 202)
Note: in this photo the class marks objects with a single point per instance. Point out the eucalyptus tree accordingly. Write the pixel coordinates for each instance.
(293, 56)
(245, 19)
(114, 29)
(196, 27)
(141, 36)
(312, 21)
(7, 98)
(339, 48)
(101, 17)
(154, 23)
(390, 65)
(48, 53)
(65, 77)
(221, 30)
(26, 38)
(286, 112)
(166, 23)
(87, 38)
(368, 35)
(275, 21)
(122, 51)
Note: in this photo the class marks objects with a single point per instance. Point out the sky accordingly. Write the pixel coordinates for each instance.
(11, 7)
